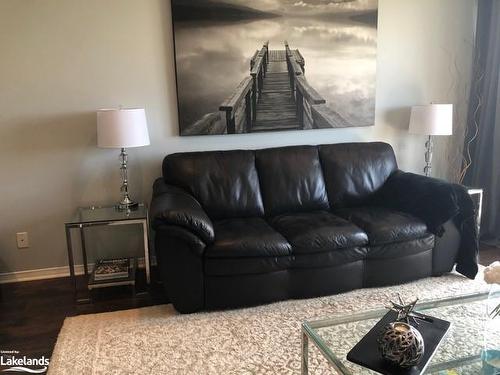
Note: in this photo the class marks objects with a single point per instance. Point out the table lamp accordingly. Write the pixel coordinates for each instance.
(122, 128)
(431, 119)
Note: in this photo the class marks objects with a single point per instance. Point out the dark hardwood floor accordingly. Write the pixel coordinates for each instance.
(489, 254)
(32, 313)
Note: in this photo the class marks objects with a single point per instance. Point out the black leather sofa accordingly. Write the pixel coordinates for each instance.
(243, 227)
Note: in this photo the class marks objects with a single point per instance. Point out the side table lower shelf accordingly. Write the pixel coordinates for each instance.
(84, 295)
(108, 283)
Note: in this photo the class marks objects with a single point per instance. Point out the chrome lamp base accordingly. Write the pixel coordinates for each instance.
(428, 156)
(126, 203)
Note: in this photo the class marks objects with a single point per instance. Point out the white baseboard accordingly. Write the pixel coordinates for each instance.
(49, 273)
(39, 274)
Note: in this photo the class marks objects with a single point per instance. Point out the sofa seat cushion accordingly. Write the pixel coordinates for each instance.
(329, 259)
(385, 225)
(401, 249)
(246, 266)
(318, 231)
(248, 237)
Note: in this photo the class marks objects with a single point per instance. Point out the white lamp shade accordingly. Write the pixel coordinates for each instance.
(122, 128)
(432, 119)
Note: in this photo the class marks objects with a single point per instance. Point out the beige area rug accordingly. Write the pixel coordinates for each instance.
(258, 340)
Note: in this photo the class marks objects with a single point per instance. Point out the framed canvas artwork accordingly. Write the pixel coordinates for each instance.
(274, 65)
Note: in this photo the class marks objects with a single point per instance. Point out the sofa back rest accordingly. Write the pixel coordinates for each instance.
(224, 182)
(291, 179)
(355, 171)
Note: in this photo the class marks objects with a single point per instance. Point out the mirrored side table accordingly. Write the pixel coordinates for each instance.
(477, 196)
(104, 216)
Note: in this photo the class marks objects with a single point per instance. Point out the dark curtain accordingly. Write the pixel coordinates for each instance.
(483, 123)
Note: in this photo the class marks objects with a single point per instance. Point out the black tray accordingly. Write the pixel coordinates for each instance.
(366, 353)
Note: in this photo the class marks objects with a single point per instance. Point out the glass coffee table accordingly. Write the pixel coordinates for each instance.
(470, 347)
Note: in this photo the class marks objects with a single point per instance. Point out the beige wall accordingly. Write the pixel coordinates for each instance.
(62, 59)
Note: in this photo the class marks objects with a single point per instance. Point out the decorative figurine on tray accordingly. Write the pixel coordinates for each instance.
(401, 343)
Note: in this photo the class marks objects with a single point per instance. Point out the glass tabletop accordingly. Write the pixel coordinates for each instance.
(87, 215)
(472, 340)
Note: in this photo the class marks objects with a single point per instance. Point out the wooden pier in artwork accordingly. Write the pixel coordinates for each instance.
(274, 96)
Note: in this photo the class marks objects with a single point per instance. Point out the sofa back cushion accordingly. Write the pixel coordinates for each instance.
(224, 182)
(355, 171)
(291, 179)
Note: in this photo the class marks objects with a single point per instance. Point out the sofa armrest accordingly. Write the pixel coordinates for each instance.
(174, 206)
(168, 233)
(435, 202)
(432, 200)
(180, 266)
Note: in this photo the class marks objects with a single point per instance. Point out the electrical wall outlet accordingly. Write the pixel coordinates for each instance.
(22, 240)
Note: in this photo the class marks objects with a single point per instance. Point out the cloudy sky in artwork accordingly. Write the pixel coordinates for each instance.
(309, 6)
